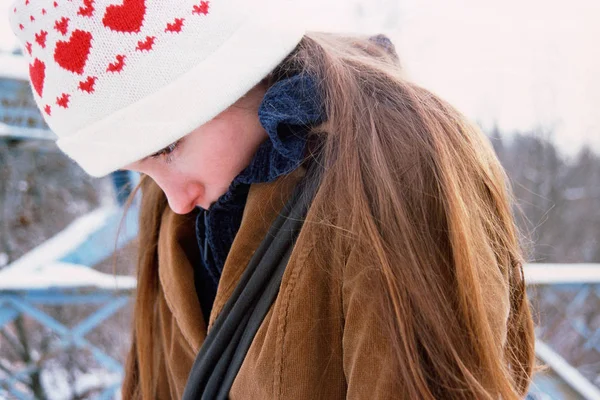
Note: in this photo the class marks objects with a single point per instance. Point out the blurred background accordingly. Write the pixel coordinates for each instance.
(528, 72)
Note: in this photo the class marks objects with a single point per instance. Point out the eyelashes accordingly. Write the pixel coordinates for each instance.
(167, 152)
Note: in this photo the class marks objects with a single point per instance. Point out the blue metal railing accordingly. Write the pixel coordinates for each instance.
(57, 273)
(565, 300)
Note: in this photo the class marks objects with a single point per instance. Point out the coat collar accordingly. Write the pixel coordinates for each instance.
(265, 201)
(178, 253)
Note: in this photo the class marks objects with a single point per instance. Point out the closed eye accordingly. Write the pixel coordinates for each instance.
(167, 151)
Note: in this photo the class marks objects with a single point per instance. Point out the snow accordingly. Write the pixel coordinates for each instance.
(548, 274)
(13, 67)
(63, 243)
(29, 133)
(570, 374)
(575, 193)
(5, 130)
(96, 379)
(57, 386)
(59, 275)
(41, 269)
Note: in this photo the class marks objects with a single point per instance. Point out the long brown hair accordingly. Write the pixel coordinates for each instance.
(409, 181)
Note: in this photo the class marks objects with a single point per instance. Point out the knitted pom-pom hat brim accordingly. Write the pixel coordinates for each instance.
(104, 142)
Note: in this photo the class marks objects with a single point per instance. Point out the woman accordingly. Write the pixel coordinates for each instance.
(313, 224)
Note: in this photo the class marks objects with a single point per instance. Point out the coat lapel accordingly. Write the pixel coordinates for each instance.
(177, 255)
(264, 202)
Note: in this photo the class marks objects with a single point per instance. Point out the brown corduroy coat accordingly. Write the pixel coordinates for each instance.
(321, 339)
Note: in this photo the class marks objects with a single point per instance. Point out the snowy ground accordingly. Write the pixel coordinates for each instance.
(59, 275)
(548, 274)
(56, 381)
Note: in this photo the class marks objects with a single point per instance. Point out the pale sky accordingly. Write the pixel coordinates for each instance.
(524, 63)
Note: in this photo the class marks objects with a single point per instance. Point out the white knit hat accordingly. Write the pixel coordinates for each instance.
(118, 80)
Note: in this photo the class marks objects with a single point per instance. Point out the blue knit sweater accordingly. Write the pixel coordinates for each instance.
(288, 110)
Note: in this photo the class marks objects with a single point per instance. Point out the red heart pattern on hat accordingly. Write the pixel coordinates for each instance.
(73, 53)
(88, 8)
(62, 25)
(118, 65)
(175, 26)
(37, 73)
(63, 100)
(88, 84)
(40, 38)
(127, 17)
(146, 44)
(202, 8)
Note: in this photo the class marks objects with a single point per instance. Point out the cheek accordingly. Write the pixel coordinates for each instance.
(225, 153)
(216, 162)
(215, 155)
(211, 163)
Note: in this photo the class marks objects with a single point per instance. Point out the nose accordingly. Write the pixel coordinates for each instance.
(184, 197)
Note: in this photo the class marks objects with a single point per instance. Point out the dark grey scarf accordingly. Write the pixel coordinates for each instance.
(228, 341)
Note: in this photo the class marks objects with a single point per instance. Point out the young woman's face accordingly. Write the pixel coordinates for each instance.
(198, 169)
